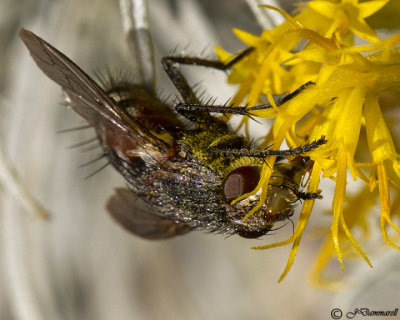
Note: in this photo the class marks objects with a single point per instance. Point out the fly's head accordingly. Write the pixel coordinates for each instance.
(282, 192)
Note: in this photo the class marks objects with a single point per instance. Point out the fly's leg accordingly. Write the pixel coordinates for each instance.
(264, 153)
(284, 99)
(171, 64)
(224, 109)
(241, 110)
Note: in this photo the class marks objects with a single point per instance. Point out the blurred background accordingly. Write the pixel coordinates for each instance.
(80, 264)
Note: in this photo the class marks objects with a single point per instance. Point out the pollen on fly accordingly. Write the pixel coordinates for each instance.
(181, 178)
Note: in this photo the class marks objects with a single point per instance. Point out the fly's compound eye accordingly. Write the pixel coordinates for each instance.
(240, 181)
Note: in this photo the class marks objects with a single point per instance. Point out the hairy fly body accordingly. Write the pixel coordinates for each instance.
(180, 178)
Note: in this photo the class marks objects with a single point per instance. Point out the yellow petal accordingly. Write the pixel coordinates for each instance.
(325, 74)
(247, 38)
(353, 241)
(287, 16)
(326, 8)
(348, 121)
(341, 122)
(323, 258)
(222, 54)
(362, 29)
(385, 205)
(304, 215)
(337, 205)
(314, 37)
(303, 219)
(385, 44)
(316, 55)
(294, 110)
(369, 8)
(378, 136)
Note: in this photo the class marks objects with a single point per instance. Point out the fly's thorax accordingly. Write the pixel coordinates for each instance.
(145, 108)
(200, 143)
(158, 121)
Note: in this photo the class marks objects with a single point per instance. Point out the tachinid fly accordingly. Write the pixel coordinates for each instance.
(182, 176)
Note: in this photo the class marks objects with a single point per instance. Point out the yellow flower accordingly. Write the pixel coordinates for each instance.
(342, 105)
(349, 15)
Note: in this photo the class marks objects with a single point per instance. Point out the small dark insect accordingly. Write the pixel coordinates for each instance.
(180, 178)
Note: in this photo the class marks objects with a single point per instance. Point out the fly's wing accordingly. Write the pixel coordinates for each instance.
(135, 216)
(90, 101)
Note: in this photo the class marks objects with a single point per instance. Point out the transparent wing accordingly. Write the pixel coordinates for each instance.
(86, 97)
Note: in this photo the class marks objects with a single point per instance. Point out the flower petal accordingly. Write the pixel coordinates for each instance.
(337, 205)
(385, 205)
(326, 8)
(378, 136)
(369, 8)
(247, 38)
